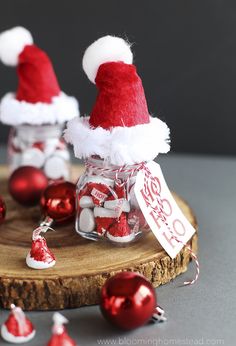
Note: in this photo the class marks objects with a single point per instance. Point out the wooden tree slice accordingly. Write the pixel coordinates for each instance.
(82, 266)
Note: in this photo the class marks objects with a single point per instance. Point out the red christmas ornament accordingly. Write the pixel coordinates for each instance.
(58, 201)
(2, 210)
(26, 185)
(128, 300)
(58, 205)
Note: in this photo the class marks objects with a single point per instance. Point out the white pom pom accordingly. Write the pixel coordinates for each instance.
(105, 49)
(12, 43)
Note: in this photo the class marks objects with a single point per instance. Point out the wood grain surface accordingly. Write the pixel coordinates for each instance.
(82, 266)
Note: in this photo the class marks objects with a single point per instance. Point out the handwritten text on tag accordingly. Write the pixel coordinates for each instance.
(160, 210)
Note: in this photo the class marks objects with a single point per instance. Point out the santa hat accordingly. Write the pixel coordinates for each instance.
(59, 334)
(40, 256)
(38, 99)
(120, 231)
(116, 228)
(17, 328)
(119, 127)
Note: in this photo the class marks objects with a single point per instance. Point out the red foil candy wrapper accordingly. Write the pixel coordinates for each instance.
(128, 300)
(13, 326)
(58, 202)
(97, 189)
(106, 207)
(121, 230)
(17, 328)
(60, 336)
(40, 251)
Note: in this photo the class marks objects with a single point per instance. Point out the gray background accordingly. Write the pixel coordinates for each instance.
(185, 51)
(205, 311)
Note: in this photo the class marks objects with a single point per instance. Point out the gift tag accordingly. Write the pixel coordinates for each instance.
(166, 220)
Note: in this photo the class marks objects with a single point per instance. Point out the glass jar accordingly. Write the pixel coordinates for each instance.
(106, 204)
(41, 146)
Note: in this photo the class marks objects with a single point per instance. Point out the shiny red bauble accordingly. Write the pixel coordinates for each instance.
(2, 210)
(26, 185)
(58, 201)
(128, 300)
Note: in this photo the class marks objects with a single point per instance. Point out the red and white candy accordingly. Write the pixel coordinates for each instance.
(136, 219)
(98, 188)
(33, 157)
(86, 202)
(117, 200)
(51, 145)
(87, 220)
(121, 232)
(17, 328)
(59, 333)
(56, 168)
(40, 256)
(104, 208)
(118, 204)
(50, 155)
(104, 219)
(96, 179)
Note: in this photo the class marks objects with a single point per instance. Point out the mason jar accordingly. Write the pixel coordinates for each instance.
(106, 204)
(41, 146)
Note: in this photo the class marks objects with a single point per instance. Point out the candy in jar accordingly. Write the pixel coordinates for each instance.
(116, 140)
(37, 111)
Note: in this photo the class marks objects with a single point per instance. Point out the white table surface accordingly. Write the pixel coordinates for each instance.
(203, 314)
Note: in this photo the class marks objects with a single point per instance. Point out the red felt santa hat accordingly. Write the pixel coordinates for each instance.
(17, 328)
(59, 334)
(119, 127)
(38, 99)
(40, 256)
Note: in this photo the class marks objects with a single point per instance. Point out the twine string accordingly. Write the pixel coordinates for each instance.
(130, 171)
